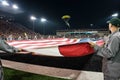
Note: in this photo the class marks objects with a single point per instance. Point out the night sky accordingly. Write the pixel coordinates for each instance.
(82, 12)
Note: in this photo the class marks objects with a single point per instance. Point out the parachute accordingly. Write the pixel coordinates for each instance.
(66, 18)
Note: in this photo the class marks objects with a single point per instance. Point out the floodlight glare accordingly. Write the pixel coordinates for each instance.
(15, 6)
(115, 15)
(43, 20)
(5, 3)
(33, 18)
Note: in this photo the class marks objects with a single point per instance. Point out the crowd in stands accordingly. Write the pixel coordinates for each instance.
(14, 31)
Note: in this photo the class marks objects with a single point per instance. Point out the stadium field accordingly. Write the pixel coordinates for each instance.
(10, 74)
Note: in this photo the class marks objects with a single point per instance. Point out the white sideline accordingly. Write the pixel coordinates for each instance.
(54, 72)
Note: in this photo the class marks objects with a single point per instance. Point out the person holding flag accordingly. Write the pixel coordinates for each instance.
(110, 52)
(9, 49)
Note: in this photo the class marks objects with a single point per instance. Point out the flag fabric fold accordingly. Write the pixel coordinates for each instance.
(62, 47)
(79, 49)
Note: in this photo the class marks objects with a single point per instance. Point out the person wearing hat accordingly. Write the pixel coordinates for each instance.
(110, 52)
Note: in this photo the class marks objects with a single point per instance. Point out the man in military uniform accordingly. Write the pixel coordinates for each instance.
(111, 52)
(7, 48)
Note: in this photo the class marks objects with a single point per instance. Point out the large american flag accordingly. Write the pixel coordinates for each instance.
(42, 43)
(56, 47)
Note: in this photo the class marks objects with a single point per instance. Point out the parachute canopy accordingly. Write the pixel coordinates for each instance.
(66, 19)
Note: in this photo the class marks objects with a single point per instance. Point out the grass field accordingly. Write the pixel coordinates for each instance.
(10, 74)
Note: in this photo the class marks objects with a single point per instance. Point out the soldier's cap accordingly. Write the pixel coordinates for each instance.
(115, 22)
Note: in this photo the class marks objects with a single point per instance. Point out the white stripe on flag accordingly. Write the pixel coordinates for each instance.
(31, 44)
(53, 51)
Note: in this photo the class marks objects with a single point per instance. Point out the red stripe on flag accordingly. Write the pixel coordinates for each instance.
(79, 49)
(35, 44)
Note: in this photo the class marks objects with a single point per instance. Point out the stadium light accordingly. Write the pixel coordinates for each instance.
(115, 15)
(5, 3)
(33, 18)
(43, 20)
(14, 6)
